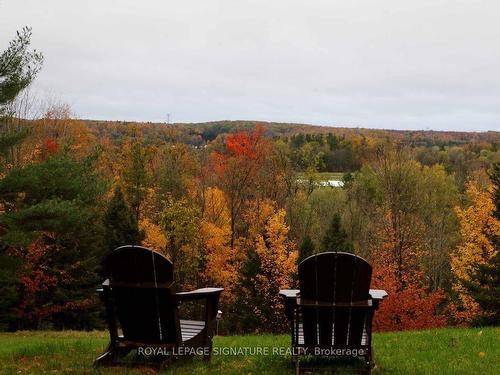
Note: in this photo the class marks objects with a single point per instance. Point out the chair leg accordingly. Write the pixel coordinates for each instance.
(370, 364)
(207, 343)
(208, 356)
(110, 355)
(106, 358)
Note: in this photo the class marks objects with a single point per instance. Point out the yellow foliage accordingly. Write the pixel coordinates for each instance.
(215, 208)
(256, 215)
(154, 236)
(477, 226)
(277, 258)
(222, 263)
(221, 268)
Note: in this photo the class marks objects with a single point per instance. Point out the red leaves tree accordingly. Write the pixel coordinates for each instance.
(411, 306)
(50, 147)
(237, 169)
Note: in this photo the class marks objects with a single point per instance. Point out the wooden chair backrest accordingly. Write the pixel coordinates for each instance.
(340, 278)
(141, 283)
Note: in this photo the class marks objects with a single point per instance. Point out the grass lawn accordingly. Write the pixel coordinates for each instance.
(443, 351)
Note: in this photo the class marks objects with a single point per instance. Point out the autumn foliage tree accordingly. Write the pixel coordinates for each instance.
(411, 305)
(484, 283)
(278, 261)
(269, 265)
(478, 227)
(237, 168)
(395, 194)
(221, 262)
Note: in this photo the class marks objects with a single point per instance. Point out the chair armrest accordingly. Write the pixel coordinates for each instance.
(361, 304)
(140, 285)
(103, 290)
(201, 293)
(290, 299)
(211, 298)
(378, 294)
(289, 293)
(104, 285)
(375, 294)
(106, 297)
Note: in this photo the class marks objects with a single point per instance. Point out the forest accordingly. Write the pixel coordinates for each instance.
(237, 204)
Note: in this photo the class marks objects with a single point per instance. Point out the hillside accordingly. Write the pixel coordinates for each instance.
(199, 133)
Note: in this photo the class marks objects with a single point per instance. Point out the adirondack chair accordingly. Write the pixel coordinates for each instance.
(331, 314)
(139, 298)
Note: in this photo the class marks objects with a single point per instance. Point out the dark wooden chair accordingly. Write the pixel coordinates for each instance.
(331, 315)
(140, 299)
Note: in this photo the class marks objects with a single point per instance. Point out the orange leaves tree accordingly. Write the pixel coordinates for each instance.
(57, 127)
(411, 305)
(478, 227)
(154, 237)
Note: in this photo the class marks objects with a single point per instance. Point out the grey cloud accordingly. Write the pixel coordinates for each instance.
(391, 64)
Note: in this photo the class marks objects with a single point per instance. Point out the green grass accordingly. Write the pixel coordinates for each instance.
(443, 351)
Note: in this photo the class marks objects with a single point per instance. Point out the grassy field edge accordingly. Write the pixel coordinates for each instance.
(440, 351)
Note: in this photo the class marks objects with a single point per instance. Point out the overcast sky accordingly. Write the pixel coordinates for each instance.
(400, 64)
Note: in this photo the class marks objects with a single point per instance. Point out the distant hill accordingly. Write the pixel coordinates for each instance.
(203, 132)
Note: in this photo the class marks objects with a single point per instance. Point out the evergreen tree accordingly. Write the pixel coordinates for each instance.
(120, 223)
(335, 238)
(18, 67)
(52, 233)
(484, 285)
(9, 294)
(181, 221)
(245, 292)
(306, 248)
